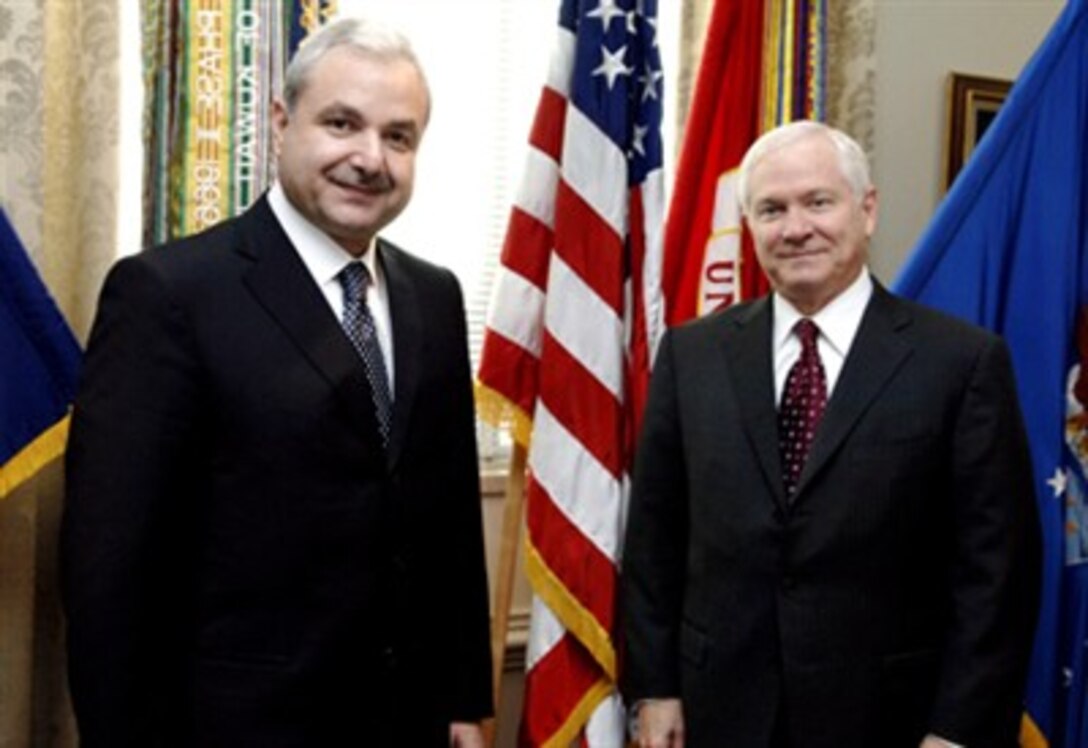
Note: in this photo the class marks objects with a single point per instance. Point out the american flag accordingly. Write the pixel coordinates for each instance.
(571, 332)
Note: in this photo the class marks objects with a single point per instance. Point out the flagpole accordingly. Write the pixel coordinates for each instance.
(513, 503)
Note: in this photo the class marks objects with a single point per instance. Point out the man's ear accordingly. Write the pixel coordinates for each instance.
(869, 205)
(280, 119)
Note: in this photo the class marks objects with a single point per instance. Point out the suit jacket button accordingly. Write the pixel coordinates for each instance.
(789, 582)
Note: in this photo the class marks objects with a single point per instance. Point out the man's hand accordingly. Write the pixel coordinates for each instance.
(466, 735)
(660, 724)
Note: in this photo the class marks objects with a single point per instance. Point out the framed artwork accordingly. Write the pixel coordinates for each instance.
(973, 102)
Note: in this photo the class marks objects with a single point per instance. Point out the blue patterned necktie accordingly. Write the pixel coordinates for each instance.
(802, 407)
(359, 326)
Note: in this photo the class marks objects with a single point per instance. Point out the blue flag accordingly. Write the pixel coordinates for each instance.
(1007, 250)
(39, 363)
(303, 18)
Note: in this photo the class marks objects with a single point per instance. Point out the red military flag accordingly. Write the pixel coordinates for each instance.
(762, 65)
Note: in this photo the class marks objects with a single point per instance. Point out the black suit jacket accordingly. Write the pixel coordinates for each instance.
(894, 596)
(243, 564)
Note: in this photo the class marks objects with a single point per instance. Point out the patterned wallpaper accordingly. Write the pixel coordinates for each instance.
(59, 94)
(851, 90)
(21, 64)
(80, 117)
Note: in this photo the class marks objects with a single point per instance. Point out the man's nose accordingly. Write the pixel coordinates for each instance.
(795, 225)
(366, 151)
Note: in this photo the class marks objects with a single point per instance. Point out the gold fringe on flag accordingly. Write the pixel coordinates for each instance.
(33, 457)
(500, 412)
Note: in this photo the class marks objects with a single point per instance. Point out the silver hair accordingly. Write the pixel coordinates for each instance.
(852, 159)
(363, 35)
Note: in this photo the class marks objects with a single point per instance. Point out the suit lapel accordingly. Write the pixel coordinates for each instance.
(284, 287)
(408, 342)
(748, 353)
(878, 351)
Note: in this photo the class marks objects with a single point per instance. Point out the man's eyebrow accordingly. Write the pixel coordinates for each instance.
(404, 124)
(342, 109)
(339, 107)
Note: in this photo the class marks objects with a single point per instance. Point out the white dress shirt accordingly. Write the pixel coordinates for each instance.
(324, 258)
(838, 323)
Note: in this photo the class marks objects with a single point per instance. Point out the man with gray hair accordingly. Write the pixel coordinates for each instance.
(832, 537)
(272, 532)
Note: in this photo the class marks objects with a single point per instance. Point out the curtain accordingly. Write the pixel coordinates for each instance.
(851, 48)
(58, 152)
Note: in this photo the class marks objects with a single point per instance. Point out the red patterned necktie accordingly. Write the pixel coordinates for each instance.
(802, 407)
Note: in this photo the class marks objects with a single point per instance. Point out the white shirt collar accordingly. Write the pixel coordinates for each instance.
(323, 257)
(838, 320)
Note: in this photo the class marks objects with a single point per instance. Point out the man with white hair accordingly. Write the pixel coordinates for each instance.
(832, 537)
(272, 533)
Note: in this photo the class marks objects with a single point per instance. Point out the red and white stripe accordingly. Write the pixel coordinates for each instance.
(568, 346)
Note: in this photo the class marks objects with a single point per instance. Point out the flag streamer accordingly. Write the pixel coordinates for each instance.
(211, 70)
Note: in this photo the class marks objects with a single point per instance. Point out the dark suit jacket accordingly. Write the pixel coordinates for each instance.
(242, 562)
(895, 596)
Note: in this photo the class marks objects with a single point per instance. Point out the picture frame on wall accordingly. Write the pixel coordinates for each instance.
(973, 103)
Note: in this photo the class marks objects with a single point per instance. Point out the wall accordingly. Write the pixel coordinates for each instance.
(918, 43)
(513, 679)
